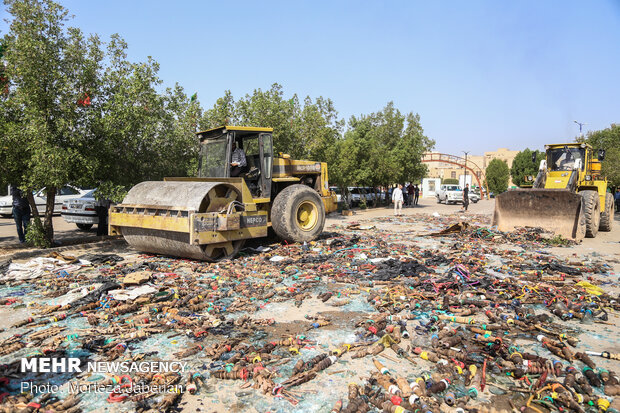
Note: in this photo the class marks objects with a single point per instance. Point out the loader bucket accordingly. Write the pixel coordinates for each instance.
(555, 210)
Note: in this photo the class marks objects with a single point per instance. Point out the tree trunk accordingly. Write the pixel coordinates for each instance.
(48, 225)
(33, 205)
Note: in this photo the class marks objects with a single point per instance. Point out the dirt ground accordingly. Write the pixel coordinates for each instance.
(219, 396)
(66, 233)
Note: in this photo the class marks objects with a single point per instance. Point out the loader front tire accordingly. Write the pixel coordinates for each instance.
(298, 214)
(607, 216)
(592, 212)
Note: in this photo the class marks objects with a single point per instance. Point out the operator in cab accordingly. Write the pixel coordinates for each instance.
(565, 159)
(237, 162)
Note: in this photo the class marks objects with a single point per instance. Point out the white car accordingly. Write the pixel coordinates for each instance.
(357, 194)
(64, 193)
(81, 211)
(450, 194)
(474, 196)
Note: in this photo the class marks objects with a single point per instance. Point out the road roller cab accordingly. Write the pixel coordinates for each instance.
(210, 216)
(216, 156)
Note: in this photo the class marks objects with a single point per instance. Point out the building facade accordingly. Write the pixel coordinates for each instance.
(443, 170)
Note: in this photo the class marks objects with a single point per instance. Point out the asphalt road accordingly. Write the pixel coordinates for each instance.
(63, 230)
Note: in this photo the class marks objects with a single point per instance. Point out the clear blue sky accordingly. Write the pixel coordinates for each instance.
(481, 74)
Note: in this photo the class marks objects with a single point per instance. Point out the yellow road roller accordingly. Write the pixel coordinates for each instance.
(241, 190)
(568, 197)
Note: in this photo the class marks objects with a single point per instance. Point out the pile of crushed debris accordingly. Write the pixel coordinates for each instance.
(364, 319)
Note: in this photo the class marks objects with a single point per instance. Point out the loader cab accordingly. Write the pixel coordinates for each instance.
(216, 155)
(565, 157)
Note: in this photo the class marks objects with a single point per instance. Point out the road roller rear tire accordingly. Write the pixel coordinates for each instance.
(607, 216)
(298, 214)
(592, 212)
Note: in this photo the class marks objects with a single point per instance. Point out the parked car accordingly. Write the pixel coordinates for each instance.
(340, 197)
(373, 194)
(474, 196)
(64, 193)
(81, 211)
(450, 194)
(357, 194)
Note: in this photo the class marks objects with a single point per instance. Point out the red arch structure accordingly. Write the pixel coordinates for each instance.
(460, 162)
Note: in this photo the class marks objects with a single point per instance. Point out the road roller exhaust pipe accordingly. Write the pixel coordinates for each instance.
(555, 210)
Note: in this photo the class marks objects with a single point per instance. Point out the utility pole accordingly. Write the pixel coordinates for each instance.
(580, 127)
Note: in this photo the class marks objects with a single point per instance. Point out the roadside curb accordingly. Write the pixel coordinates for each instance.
(86, 245)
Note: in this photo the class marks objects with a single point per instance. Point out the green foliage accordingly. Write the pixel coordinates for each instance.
(307, 130)
(522, 166)
(77, 111)
(449, 181)
(35, 234)
(611, 166)
(49, 69)
(108, 190)
(363, 204)
(608, 139)
(497, 176)
(559, 241)
(380, 149)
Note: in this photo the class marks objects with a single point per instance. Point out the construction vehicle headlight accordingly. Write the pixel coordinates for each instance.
(588, 177)
(583, 145)
(529, 178)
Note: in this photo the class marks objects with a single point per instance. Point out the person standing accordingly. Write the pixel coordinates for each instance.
(397, 198)
(617, 198)
(102, 207)
(466, 197)
(416, 195)
(21, 212)
(410, 192)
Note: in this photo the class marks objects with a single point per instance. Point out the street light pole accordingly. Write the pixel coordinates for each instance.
(465, 180)
(580, 127)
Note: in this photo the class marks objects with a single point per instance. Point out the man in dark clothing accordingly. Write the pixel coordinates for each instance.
(21, 212)
(617, 198)
(101, 209)
(416, 195)
(466, 197)
(410, 192)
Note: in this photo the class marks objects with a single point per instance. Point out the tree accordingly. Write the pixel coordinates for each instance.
(304, 130)
(522, 166)
(51, 73)
(141, 134)
(382, 148)
(222, 113)
(497, 176)
(76, 112)
(609, 140)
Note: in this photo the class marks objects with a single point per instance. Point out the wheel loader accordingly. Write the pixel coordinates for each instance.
(568, 197)
(210, 216)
